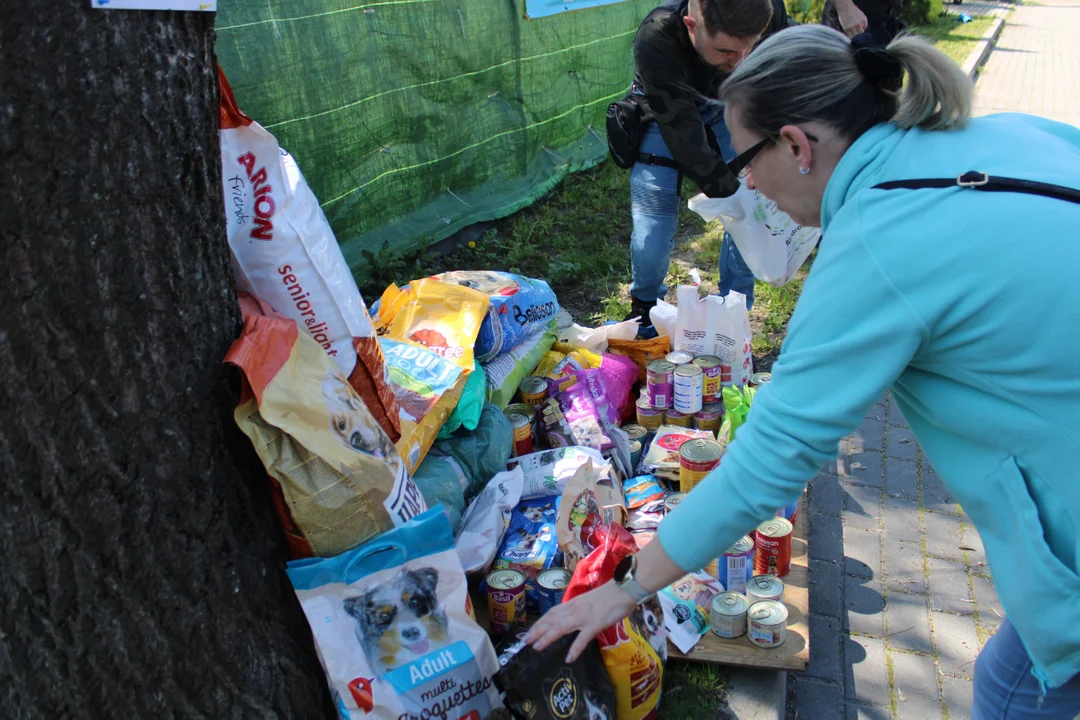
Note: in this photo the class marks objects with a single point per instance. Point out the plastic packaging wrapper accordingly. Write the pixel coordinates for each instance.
(486, 521)
(506, 372)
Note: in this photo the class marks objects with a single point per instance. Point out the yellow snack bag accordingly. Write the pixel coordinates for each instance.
(444, 317)
(588, 358)
(548, 363)
(642, 352)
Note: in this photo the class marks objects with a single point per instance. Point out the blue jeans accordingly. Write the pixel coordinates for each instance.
(1005, 689)
(654, 203)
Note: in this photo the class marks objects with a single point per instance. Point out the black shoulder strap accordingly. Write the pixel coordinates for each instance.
(650, 159)
(989, 183)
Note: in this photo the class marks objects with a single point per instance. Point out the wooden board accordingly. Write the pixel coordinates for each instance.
(794, 654)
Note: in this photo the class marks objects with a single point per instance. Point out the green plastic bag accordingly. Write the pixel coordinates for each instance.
(737, 402)
(471, 402)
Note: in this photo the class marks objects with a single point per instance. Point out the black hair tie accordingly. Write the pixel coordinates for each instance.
(876, 63)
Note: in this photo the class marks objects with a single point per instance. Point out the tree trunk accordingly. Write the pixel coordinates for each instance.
(142, 566)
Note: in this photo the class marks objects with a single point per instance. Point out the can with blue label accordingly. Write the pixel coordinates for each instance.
(736, 565)
(551, 585)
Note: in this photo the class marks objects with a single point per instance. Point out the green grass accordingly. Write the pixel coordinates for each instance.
(955, 38)
(692, 691)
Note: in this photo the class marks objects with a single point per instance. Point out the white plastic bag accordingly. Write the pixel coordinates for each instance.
(717, 326)
(663, 316)
(596, 339)
(772, 244)
(486, 519)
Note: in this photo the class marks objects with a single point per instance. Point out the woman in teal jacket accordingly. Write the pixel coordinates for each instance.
(962, 302)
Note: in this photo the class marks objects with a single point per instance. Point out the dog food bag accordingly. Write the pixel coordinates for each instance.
(590, 504)
(392, 628)
(662, 459)
(428, 387)
(443, 317)
(340, 479)
(530, 544)
(506, 372)
(634, 649)
(284, 252)
(539, 685)
(687, 606)
(486, 521)
(520, 307)
(547, 472)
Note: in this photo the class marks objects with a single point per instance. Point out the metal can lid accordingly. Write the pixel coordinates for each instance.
(775, 528)
(680, 357)
(660, 367)
(518, 420)
(635, 431)
(765, 586)
(505, 579)
(554, 579)
(522, 408)
(742, 546)
(729, 603)
(768, 612)
(635, 446)
(674, 499)
(701, 450)
(707, 361)
(533, 385)
(760, 378)
(716, 407)
(688, 371)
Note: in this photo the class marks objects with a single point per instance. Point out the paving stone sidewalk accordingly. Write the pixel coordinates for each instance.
(901, 598)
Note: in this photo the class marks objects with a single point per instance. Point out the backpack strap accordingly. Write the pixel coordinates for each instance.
(650, 159)
(988, 183)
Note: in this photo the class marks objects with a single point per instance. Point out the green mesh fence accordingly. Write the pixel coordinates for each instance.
(412, 119)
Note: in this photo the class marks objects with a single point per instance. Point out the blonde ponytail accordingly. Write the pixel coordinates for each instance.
(937, 94)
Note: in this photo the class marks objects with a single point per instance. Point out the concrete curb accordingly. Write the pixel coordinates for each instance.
(755, 695)
(983, 49)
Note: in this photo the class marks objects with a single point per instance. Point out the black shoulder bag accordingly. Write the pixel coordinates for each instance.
(626, 120)
(987, 183)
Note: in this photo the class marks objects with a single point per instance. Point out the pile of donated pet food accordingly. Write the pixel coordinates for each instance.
(455, 445)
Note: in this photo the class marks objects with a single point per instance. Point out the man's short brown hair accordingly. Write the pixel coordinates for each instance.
(738, 18)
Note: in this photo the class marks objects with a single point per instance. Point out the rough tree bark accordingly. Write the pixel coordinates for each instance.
(142, 570)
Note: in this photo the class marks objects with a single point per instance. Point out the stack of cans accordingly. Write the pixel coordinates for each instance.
(682, 390)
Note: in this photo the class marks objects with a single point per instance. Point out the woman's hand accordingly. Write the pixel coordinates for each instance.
(590, 613)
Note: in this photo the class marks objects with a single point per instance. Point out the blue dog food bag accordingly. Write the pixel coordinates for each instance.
(392, 627)
(530, 544)
(520, 307)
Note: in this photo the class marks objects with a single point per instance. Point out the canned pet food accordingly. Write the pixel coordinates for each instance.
(760, 378)
(658, 383)
(506, 601)
(762, 588)
(727, 614)
(680, 357)
(635, 454)
(673, 501)
(636, 432)
(528, 411)
(687, 389)
(551, 585)
(736, 565)
(534, 390)
(789, 512)
(711, 380)
(697, 458)
(674, 417)
(647, 416)
(710, 418)
(522, 427)
(768, 624)
(773, 540)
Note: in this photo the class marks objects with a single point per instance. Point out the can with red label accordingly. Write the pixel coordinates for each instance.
(697, 458)
(772, 541)
(712, 377)
(506, 601)
(522, 427)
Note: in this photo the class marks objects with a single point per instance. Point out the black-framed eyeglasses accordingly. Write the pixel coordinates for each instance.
(740, 165)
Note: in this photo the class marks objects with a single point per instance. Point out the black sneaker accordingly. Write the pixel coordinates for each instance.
(640, 309)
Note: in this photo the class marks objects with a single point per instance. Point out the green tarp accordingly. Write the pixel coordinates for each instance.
(412, 119)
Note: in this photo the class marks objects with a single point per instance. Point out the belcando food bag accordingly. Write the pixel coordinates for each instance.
(635, 648)
(284, 252)
(393, 630)
(443, 317)
(338, 478)
(427, 386)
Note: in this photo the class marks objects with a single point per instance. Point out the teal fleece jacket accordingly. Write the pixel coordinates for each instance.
(966, 305)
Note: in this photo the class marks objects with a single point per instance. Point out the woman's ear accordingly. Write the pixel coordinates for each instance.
(795, 142)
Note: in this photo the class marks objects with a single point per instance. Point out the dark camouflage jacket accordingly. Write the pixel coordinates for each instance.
(666, 64)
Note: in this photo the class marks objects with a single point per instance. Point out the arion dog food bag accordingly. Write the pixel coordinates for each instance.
(340, 480)
(284, 252)
(392, 627)
(634, 649)
(427, 386)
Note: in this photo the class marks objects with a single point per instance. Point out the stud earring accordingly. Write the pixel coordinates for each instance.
(804, 171)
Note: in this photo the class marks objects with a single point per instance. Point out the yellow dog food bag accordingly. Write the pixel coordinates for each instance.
(443, 317)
